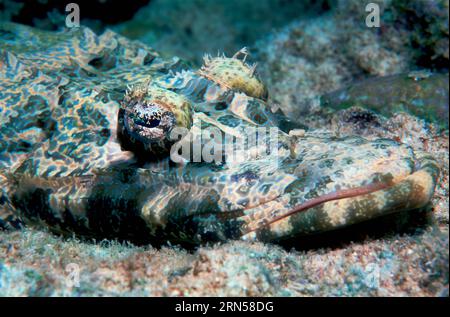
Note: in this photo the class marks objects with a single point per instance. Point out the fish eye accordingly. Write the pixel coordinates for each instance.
(150, 117)
(146, 118)
(145, 127)
(149, 121)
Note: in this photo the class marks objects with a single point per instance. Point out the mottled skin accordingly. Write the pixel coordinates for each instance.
(68, 161)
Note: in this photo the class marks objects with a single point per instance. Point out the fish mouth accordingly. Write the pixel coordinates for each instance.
(278, 220)
(314, 202)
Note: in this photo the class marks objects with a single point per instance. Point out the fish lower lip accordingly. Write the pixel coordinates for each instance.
(337, 195)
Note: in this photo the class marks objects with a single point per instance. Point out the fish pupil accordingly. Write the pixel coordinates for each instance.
(153, 123)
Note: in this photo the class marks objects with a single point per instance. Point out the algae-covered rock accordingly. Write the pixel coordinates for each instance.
(429, 32)
(314, 56)
(420, 94)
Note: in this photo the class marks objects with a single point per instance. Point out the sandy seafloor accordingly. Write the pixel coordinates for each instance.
(401, 255)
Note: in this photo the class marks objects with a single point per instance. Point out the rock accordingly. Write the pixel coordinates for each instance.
(425, 97)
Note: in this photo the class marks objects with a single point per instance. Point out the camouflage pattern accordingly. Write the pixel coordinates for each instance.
(65, 162)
